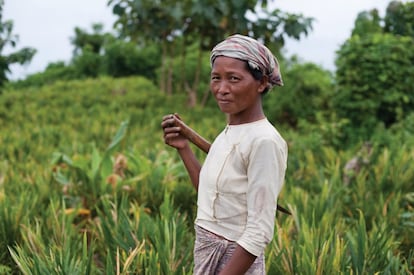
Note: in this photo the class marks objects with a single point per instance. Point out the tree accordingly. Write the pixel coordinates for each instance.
(367, 22)
(399, 18)
(21, 56)
(87, 54)
(98, 53)
(375, 71)
(125, 58)
(147, 21)
(375, 81)
(176, 24)
(93, 41)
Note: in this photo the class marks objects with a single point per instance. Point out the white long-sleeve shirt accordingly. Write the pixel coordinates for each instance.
(240, 181)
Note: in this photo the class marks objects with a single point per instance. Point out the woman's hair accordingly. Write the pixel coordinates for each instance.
(257, 74)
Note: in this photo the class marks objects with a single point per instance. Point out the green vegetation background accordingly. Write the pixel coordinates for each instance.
(88, 187)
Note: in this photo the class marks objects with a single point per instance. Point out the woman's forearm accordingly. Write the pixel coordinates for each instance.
(239, 263)
(191, 163)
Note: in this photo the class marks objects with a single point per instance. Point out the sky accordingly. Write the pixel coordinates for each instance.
(48, 26)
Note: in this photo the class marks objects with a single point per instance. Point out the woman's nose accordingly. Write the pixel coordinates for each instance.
(222, 87)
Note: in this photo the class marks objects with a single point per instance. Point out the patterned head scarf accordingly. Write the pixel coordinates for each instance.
(256, 54)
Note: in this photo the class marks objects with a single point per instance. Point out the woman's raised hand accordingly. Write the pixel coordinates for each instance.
(172, 135)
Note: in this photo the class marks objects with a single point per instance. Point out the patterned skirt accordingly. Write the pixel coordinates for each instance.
(212, 252)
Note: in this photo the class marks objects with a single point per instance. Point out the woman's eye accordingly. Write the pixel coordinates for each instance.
(234, 78)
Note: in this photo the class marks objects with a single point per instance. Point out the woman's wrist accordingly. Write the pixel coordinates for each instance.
(185, 147)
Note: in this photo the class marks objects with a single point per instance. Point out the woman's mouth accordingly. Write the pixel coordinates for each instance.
(223, 101)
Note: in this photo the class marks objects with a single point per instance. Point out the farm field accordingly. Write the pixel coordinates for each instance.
(87, 186)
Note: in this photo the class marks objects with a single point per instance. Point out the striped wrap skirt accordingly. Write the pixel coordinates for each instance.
(212, 252)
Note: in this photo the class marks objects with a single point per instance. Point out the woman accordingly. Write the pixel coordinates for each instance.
(243, 173)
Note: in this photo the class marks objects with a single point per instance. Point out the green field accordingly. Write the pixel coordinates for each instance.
(87, 186)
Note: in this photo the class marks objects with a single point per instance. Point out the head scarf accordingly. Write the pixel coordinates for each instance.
(256, 54)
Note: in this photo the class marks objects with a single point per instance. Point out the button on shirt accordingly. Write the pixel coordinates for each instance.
(240, 181)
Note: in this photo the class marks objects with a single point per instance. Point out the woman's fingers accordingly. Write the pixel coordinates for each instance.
(168, 121)
(171, 130)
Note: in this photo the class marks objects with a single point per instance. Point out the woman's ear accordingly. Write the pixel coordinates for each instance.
(263, 84)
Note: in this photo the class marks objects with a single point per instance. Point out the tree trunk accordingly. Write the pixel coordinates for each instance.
(180, 85)
(170, 78)
(169, 70)
(163, 67)
(192, 90)
(192, 98)
(206, 95)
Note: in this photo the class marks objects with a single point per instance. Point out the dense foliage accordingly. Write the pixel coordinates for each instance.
(399, 18)
(305, 81)
(375, 78)
(375, 71)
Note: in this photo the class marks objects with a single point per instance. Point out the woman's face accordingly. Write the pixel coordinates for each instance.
(237, 93)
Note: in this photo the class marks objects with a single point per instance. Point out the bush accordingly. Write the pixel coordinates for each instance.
(306, 93)
(88, 64)
(375, 82)
(127, 58)
(53, 72)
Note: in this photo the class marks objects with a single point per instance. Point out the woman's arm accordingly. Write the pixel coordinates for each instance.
(239, 263)
(191, 163)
